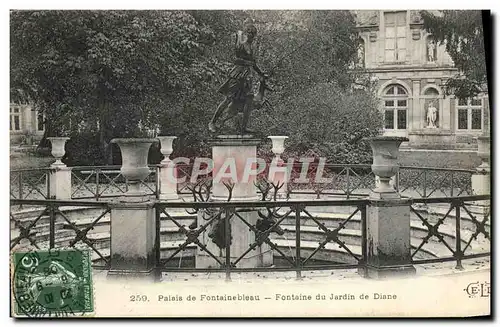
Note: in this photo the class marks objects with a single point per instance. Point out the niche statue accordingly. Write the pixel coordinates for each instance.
(239, 98)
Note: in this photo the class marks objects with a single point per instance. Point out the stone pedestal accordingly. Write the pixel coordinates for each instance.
(481, 180)
(279, 175)
(167, 182)
(132, 240)
(279, 170)
(431, 138)
(167, 185)
(388, 237)
(388, 247)
(230, 155)
(481, 183)
(60, 182)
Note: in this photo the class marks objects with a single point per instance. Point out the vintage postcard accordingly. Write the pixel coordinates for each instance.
(250, 163)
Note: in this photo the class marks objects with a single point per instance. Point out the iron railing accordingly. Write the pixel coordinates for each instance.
(216, 218)
(100, 182)
(32, 183)
(48, 224)
(343, 180)
(460, 231)
(472, 241)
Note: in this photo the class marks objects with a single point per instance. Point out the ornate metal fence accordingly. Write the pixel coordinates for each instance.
(348, 181)
(428, 182)
(30, 183)
(48, 224)
(279, 228)
(466, 219)
(99, 182)
(300, 235)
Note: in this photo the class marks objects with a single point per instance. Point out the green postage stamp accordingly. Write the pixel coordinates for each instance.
(52, 283)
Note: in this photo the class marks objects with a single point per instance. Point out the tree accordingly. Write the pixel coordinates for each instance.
(106, 74)
(107, 71)
(461, 31)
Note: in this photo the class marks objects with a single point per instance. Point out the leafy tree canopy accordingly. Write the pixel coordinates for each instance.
(462, 33)
(107, 74)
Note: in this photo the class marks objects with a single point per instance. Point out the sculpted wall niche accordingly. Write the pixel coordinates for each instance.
(367, 17)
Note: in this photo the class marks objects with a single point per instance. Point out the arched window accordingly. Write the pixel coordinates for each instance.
(395, 99)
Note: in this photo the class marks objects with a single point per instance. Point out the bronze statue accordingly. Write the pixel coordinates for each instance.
(239, 98)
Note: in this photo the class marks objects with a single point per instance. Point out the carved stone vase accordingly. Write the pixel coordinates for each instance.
(278, 144)
(385, 160)
(166, 147)
(58, 150)
(134, 162)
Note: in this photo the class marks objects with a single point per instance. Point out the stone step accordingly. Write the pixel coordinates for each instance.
(102, 226)
(41, 225)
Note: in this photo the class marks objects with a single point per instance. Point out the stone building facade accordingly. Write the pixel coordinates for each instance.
(410, 70)
(26, 124)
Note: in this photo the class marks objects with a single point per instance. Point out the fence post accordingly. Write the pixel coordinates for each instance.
(227, 238)
(60, 182)
(298, 260)
(387, 245)
(97, 172)
(364, 249)
(481, 179)
(348, 181)
(167, 181)
(20, 185)
(52, 226)
(133, 240)
(157, 246)
(458, 238)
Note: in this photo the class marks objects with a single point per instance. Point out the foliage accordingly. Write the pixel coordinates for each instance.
(462, 33)
(110, 72)
(327, 121)
(98, 75)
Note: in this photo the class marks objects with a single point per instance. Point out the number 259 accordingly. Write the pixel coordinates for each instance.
(138, 298)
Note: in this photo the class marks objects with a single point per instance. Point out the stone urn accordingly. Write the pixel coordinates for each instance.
(278, 144)
(134, 162)
(58, 150)
(166, 147)
(483, 152)
(385, 160)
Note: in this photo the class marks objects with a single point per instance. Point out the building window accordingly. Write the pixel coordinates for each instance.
(470, 114)
(395, 36)
(395, 107)
(15, 119)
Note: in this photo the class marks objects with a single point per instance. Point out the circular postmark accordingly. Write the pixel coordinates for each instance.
(53, 283)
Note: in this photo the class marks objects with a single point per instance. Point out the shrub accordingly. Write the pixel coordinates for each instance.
(325, 121)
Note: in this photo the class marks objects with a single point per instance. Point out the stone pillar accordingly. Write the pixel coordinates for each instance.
(481, 180)
(416, 116)
(278, 173)
(132, 240)
(133, 216)
(167, 186)
(230, 154)
(60, 174)
(388, 216)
